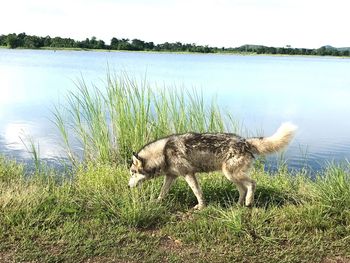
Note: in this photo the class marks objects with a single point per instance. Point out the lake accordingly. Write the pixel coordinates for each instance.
(259, 91)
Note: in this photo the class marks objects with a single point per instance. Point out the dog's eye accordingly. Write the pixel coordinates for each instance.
(133, 171)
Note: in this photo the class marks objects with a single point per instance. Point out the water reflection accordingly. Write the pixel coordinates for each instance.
(17, 139)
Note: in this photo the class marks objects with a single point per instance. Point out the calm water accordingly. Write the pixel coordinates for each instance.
(260, 91)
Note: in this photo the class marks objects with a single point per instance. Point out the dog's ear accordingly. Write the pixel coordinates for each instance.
(136, 160)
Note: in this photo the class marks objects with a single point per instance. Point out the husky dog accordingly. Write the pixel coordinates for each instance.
(189, 153)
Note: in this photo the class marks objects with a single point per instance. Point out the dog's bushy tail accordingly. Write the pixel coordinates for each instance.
(274, 143)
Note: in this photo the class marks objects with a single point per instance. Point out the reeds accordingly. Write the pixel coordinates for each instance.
(120, 118)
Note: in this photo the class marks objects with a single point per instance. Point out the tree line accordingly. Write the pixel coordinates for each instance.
(23, 40)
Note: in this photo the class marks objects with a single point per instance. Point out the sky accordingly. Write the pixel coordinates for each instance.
(219, 23)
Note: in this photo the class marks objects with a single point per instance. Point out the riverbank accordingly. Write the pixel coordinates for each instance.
(96, 218)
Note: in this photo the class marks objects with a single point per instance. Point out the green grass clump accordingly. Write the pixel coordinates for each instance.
(113, 121)
(332, 188)
(10, 170)
(107, 194)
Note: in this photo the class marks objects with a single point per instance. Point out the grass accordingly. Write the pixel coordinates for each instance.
(113, 121)
(96, 217)
(90, 215)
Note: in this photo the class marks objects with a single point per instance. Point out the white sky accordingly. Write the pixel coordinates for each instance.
(228, 23)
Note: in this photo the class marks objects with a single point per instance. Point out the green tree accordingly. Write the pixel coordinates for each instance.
(114, 43)
(3, 40)
(346, 53)
(322, 51)
(149, 45)
(33, 42)
(138, 44)
(124, 44)
(12, 41)
(47, 41)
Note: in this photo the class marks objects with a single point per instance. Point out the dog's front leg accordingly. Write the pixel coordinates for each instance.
(193, 183)
(168, 181)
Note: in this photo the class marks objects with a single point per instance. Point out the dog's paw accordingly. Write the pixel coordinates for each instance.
(199, 206)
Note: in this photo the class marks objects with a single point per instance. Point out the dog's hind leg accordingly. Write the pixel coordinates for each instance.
(251, 185)
(237, 174)
(242, 189)
(193, 183)
(168, 181)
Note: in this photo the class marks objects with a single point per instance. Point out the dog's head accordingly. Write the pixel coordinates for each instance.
(137, 171)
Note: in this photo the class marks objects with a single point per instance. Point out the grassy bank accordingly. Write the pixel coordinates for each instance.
(96, 218)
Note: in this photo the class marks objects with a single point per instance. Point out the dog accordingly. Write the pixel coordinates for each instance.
(190, 153)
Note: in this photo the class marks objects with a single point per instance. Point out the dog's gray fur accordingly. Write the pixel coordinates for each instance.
(190, 153)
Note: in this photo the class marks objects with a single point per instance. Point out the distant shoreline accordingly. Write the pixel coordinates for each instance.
(131, 51)
(237, 53)
(23, 40)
